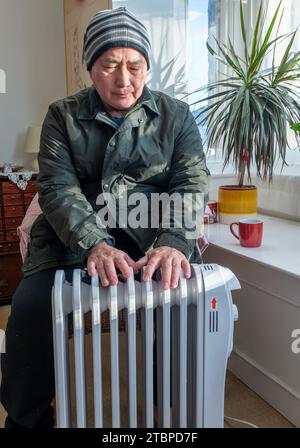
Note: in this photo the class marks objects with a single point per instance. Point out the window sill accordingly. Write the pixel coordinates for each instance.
(216, 170)
(280, 247)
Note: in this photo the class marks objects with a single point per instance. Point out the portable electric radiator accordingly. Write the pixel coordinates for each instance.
(193, 332)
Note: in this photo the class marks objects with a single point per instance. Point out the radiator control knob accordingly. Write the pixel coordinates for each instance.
(235, 313)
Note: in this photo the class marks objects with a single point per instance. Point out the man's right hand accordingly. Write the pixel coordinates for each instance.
(104, 259)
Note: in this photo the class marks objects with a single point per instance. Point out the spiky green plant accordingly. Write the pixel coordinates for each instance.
(296, 127)
(247, 112)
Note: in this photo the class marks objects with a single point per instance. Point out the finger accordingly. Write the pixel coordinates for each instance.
(152, 265)
(140, 263)
(186, 268)
(129, 260)
(102, 274)
(123, 266)
(176, 267)
(166, 270)
(92, 270)
(111, 272)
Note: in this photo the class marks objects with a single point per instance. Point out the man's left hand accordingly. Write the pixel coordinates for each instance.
(169, 260)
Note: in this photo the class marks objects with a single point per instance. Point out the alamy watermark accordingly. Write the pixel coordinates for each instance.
(152, 211)
(296, 343)
(2, 341)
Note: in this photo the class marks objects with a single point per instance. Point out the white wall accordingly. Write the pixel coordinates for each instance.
(33, 56)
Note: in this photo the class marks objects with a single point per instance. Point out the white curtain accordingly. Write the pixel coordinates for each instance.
(226, 25)
(166, 22)
(228, 22)
(290, 21)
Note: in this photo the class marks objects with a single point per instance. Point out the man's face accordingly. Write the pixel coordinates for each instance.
(119, 76)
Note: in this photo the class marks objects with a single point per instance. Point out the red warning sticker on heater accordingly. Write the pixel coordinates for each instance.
(214, 303)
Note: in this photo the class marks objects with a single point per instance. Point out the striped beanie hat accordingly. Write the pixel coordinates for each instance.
(114, 28)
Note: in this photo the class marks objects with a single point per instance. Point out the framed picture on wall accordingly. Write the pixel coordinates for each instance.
(77, 15)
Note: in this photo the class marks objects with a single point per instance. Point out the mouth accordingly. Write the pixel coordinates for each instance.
(123, 95)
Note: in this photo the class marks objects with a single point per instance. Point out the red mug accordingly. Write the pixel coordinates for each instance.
(250, 232)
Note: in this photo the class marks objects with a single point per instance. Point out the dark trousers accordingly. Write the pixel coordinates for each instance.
(27, 386)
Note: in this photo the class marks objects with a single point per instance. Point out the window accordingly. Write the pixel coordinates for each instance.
(181, 62)
(201, 66)
(290, 22)
(220, 19)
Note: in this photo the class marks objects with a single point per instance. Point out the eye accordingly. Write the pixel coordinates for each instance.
(109, 67)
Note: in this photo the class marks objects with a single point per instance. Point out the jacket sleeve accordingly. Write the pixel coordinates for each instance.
(60, 196)
(188, 174)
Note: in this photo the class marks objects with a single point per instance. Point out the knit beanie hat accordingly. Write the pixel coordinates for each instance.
(114, 28)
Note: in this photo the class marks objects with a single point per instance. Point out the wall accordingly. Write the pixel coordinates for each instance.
(33, 56)
(77, 15)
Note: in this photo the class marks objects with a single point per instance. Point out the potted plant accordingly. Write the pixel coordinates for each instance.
(247, 113)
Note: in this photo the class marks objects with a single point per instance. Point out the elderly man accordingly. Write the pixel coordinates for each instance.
(116, 135)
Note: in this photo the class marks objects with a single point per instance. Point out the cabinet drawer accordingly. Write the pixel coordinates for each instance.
(31, 187)
(9, 187)
(11, 235)
(12, 223)
(12, 199)
(9, 247)
(11, 211)
(28, 197)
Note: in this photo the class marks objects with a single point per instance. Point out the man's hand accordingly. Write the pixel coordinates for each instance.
(169, 260)
(104, 259)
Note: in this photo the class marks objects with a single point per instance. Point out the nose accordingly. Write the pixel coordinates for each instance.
(123, 77)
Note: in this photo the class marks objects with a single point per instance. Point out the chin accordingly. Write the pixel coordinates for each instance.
(124, 105)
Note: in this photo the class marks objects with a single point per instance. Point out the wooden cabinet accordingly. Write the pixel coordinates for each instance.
(13, 205)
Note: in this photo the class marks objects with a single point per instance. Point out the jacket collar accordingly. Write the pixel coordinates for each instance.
(148, 101)
(91, 104)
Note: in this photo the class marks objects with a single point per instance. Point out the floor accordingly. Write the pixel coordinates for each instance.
(240, 402)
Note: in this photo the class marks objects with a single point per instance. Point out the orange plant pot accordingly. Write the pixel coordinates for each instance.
(237, 202)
